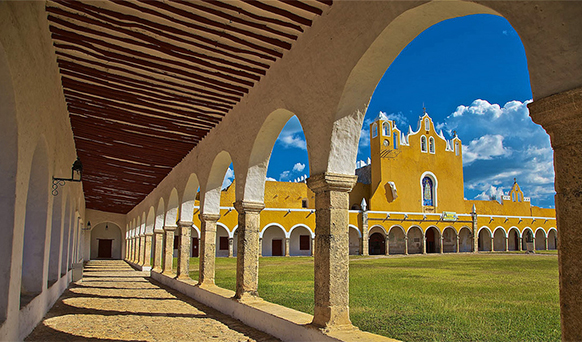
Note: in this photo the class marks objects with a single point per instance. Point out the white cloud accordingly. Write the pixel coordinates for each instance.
(491, 193)
(484, 148)
(298, 167)
(398, 118)
(284, 176)
(271, 179)
(228, 178)
(293, 141)
(291, 135)
(501, 143)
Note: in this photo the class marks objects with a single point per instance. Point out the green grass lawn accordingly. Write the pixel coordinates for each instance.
(484, 297)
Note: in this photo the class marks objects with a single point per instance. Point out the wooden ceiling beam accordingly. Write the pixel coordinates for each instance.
(142, 78)
(171, 32)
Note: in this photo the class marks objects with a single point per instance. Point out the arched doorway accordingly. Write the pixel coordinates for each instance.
(499, 240)
(106, 241)
(433, 244)
(300, 241)
(396, 240)
(513, 240)
(484, 242)
(274, 241)
(449, 240)
(527, 240)
(222, 242)
(377, 244)
(552, 239)
(415, 240)
(465, 240)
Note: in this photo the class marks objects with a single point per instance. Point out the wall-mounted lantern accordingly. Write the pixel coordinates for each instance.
(76, 176)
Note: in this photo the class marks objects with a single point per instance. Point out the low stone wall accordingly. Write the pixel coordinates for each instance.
(33, 312)
(279, 321)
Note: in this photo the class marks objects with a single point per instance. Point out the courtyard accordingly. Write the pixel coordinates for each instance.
(461, 297)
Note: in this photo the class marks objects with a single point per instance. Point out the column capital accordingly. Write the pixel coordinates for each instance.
(209, 217)
(560, 115)
(149, 234)
(159, 230)
(184, 224)
(170, 228)
(248, 207)
(331, 182)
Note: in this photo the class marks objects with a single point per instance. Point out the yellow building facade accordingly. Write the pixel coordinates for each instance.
(408, 200)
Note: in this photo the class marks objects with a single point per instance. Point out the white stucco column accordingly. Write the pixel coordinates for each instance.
(457, 243)
(287, 246)
(331, 260)
(387, 242)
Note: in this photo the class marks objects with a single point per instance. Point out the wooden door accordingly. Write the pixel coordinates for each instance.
(278, 247)
(104, 250)
(194, 247)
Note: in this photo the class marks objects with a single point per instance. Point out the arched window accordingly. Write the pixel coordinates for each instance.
(374, 130)
(385, 129)
(426, 124)
(395, 140)
(456, 147)
(427, 192)
(431, 144)
(423, 143)
(518, 197)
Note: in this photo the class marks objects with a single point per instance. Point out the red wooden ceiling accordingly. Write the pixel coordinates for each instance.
(145, 81)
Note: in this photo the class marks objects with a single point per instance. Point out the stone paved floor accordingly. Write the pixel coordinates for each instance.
(116, 303)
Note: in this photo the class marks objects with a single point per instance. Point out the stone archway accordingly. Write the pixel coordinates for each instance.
(415, 240)
(377, 244)
(449, 240)
(499, 239)
(465, 240)
(433, 240)
(552, 239)
(513, 240)
(484, 242)
(106, 241)
(300, 241)
(273, 241)
(397, 240)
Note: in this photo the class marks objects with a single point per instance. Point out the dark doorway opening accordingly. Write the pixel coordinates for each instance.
(104, 250)
(430, 241)
(377, 244)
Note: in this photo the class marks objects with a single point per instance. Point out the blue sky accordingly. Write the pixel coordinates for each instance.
(471, 75)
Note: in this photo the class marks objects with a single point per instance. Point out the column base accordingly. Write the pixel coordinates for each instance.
(248, 297)
(334, 328)
(183, 277)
